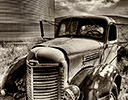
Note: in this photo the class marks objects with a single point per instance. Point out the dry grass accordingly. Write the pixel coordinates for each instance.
(9, 52)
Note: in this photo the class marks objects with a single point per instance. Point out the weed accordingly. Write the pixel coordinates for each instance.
(9, 52)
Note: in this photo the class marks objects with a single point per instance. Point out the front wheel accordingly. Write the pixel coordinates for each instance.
(113, 95)
(108, 97)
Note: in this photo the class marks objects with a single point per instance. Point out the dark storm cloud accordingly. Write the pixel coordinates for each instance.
(119, 8)
(66, 7)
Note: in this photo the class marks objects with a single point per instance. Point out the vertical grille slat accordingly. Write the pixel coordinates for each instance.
(45, 82)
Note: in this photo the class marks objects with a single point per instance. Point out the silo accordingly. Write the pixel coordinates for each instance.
(19, 19)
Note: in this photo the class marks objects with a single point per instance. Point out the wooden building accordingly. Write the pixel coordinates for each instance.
(19, 19)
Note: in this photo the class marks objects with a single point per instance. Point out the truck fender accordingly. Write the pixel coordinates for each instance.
(13, 73)
(80, 76)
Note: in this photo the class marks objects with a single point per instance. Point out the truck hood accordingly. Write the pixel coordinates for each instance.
(74, 45)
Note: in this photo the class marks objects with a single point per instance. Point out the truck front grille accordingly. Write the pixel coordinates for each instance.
(45, 82)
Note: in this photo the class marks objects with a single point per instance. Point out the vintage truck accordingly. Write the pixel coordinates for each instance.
(80, 63)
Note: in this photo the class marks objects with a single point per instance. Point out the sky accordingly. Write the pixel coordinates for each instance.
(84, 7)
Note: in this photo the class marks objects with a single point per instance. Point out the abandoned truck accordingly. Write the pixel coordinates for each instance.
(80, 63)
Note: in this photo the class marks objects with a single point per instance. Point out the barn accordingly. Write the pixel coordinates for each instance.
(19, 19)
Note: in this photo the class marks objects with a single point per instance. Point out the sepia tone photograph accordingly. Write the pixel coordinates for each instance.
(63, 50)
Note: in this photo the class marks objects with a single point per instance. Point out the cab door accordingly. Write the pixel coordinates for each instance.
(110, 47)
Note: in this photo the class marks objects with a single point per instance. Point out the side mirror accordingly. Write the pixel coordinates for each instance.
(41, 29)
(47, 28)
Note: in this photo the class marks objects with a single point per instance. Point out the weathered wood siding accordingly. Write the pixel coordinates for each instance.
(19, 19)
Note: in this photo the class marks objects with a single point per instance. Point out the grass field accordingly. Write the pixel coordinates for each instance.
(10, 51)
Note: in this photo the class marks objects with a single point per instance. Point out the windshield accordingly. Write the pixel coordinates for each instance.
(91, 28)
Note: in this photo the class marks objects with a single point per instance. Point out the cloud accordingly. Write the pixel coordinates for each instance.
(120, 8)
(66, 7)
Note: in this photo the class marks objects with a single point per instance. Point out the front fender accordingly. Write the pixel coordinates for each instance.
(97, 82)
(14, 73)
(80, 76)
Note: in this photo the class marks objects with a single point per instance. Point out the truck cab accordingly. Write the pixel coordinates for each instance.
(78, 64)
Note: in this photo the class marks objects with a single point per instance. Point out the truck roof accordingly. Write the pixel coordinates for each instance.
(106, 18)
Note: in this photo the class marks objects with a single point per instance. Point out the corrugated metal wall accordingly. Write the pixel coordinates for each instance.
(19, 19)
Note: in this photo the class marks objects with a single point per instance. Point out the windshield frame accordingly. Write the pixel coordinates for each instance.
(100, 21)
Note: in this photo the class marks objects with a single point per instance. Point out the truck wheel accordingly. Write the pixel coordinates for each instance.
(109, 97)
(112, 96)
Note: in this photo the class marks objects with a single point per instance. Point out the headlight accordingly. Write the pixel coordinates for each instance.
(3, 92)
(72, 93)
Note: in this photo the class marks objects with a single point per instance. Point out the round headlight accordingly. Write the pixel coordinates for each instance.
(72, 93)
(3, 92)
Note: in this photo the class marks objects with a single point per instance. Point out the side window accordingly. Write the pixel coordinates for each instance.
(112, 33)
